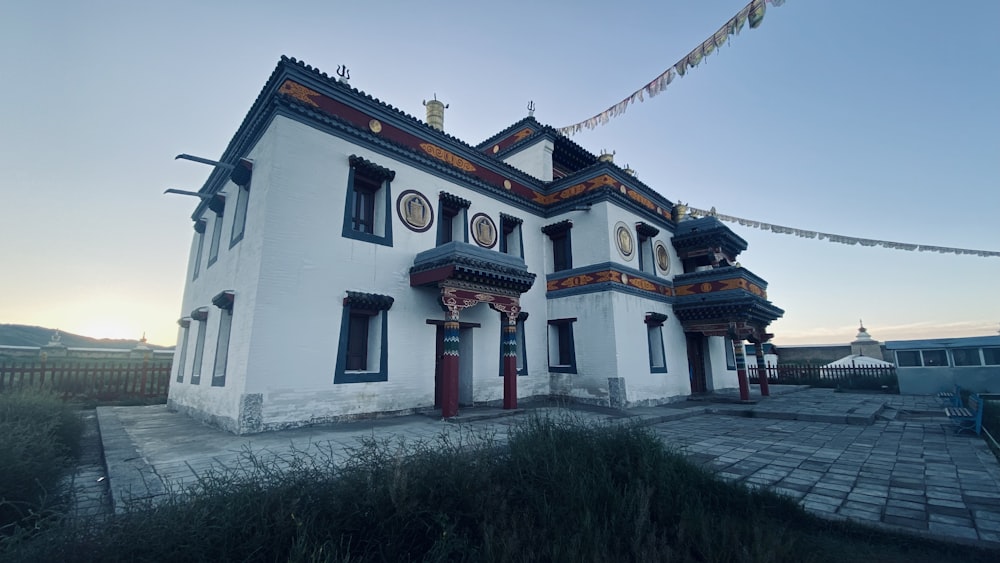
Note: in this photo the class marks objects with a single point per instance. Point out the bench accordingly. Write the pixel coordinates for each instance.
(967, 418)
(950, 398)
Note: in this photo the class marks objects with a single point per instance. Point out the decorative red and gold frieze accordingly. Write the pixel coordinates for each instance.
(370, 124)
(720, 285)
(605, 276)
(509, 140)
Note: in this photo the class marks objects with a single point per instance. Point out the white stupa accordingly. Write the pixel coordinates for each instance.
(865, 352)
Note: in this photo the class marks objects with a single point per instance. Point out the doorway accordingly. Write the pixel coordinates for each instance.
(696, 362)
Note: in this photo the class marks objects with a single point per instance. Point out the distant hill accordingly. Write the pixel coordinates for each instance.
(25, 335)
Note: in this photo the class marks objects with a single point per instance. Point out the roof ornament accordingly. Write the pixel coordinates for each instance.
(343, 73)
(606, 156)
(531, 108)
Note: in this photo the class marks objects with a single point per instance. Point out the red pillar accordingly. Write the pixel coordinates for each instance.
(741, 368)
(449, 365)
(761, 369)
(510, 362)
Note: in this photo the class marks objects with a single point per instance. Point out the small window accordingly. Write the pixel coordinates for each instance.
(562, 349)
(367, 209)
(522, 356)
(240, 218)
(647, 261)
(562, 248)
(224, 301)
(935, 358)
(217, 205)
(510, 236)
(908, 358)
(363, 351)
(241, 176)
(452, 218)
(730, 354)
(199, 229)
(966, 357)
(201, 317)
(182, 356)
(991, 356)
(357, 341)
(654, 339)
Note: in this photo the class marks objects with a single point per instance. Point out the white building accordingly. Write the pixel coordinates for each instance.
(350, 260)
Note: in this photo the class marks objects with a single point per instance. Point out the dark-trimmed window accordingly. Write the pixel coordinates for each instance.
(218, 206)
(368, 207)
(199, 229)
(240, 176)
(452, 218)
(185, 325)
(363, 348)
(510, 236)
(224, 301)
(522, 355)
(562, 248)
(199, 316)
(562, 349)
(654, 338)
(645, 234)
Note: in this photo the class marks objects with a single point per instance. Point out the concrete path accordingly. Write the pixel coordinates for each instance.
(887, 460)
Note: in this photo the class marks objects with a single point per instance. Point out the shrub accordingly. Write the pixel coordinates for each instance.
(39, 438)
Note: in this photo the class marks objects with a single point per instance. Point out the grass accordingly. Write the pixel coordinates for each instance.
(557, 490)
(39, 440)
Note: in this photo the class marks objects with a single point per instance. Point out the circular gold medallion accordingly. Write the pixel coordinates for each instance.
(625, 279)
(624, 241)
(375, 125)
(662, 257)
(496, 149)
(506, 184)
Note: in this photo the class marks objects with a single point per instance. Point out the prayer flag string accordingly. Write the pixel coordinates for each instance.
(752, 13)
(838, 238)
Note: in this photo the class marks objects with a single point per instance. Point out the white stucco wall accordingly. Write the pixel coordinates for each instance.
(718, 376)
(535, 160)
(632, 351)
(236, 269)
(307, 267)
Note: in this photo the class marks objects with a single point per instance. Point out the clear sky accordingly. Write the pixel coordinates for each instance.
(868, 119)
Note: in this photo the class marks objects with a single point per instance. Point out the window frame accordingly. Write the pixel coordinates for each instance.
(943, 354)
(218, 206)
(991, 355)
(225, 302)
(200, 316)
(955, 358)
(647, 257)
(565, 347)
(730, 350)
(185, 325)
(450, 208)
(562, 245)
(654, 329)
(367, 178)
(376, 308)
(510, 229)
(910, 356)
(199, 229)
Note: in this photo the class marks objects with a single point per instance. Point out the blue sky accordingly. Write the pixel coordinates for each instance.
(867, 119)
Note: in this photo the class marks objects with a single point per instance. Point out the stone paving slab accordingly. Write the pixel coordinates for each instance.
(911, 475)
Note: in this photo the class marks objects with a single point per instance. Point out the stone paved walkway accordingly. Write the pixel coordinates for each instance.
(887, 460)
(88, 484)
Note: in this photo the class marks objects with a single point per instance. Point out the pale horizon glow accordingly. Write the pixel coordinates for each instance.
(871, 120)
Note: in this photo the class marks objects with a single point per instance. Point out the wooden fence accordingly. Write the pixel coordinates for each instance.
(107, 381)
(854, 377)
